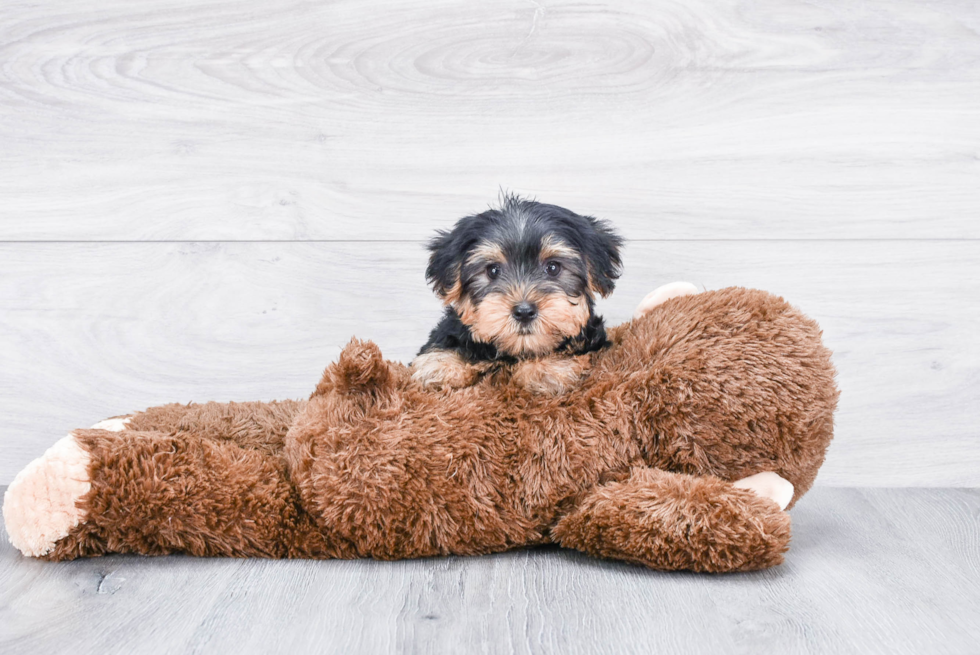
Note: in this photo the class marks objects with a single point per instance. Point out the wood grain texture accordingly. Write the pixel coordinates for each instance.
(869, 571)
(381, 119)
(825, 150)
(95, 330)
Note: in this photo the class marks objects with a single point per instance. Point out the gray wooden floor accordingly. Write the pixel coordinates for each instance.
(870, 571)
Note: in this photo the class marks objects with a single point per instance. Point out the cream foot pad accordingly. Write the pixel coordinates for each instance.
(769, 485)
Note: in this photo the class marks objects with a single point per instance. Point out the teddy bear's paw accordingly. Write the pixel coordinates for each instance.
(662, 294)
(768, 485)
(40, 506)
(117, 424)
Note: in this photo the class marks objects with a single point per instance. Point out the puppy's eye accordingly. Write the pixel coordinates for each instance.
(553, 268)
(493, 271)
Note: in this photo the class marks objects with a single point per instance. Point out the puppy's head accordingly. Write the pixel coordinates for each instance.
(524, 277)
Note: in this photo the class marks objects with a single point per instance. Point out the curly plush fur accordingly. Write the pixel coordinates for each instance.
(636, 461)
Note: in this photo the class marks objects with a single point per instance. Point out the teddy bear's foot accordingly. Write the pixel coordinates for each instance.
(768, 485)
(117, 424)
(672, 521)
(40, 506)
(662, 294)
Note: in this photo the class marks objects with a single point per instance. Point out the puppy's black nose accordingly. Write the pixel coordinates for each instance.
(525, 312)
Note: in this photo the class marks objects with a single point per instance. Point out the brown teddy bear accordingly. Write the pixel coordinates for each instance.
(679, 448)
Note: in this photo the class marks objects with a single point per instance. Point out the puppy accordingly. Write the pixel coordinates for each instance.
(519, 283)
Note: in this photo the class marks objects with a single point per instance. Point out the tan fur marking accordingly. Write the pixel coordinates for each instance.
(594, 289)
(491, 319)
(494, 323)
(486, 252)
(551, 248)
(466, 311)
(558, 317)
(550, 375)
(452, 294)
(562, 315)
(438, 369)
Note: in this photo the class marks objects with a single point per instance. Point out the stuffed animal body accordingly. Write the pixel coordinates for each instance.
(655, 455)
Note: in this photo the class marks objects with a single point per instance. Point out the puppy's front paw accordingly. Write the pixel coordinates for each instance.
(768, 485)
(662, 294)
(39, 507)
(439, 369)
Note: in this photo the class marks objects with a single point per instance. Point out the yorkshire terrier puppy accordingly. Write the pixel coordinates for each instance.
(519, 285)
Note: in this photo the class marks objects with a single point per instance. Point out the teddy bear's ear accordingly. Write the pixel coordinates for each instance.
(361, 369)
(447, 251)
(602, 256)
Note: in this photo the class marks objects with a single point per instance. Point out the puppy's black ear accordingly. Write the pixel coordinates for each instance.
(448, 250)
(602, 256)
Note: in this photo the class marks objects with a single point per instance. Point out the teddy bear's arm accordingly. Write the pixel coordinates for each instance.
(673, 521)
(257, 425)
(98, 491)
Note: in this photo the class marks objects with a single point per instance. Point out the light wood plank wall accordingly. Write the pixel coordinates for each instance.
(205, 200)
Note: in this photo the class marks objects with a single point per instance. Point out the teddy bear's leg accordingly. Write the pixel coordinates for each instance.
(260, 425)
(673, 521)
(40, 504)
(662, 294)
(97, 492)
